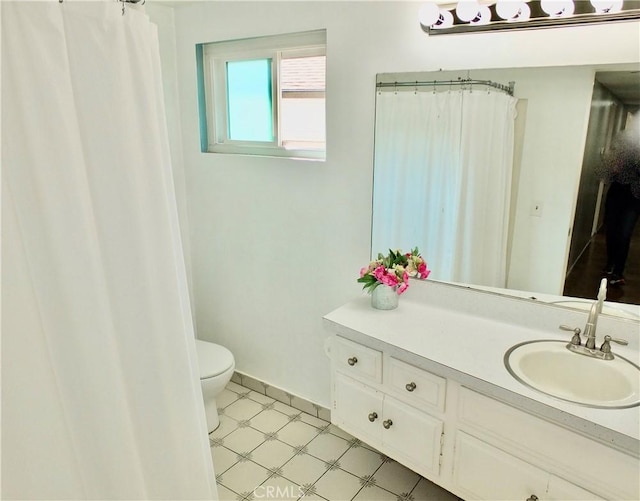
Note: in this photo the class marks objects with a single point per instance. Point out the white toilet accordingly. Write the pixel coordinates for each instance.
(216, 368)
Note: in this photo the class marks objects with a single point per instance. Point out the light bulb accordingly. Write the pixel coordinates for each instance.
(524, 14)
(508, 9)
(467, 10)
(429, 14)
(444, 21)
(557, 8)
(484, 16)
(606, 6)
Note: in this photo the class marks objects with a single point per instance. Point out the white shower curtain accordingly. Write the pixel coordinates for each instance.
(442, 180)
(101, 395)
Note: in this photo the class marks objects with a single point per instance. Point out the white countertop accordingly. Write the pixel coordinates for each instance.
(471, 348)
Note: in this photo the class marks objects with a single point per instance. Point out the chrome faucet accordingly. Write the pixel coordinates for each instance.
(590, 327)
(589, 348)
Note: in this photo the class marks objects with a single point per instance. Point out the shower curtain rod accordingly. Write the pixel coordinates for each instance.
(121, 1)
(460, 81)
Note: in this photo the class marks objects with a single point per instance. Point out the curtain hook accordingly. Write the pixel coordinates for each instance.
(434, 86)
(415, 91)
(395, 88)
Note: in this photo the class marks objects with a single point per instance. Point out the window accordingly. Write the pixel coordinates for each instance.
(264, 96)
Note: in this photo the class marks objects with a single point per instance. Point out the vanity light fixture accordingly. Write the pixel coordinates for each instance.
(509, 10)
(512, 11)
(445, 21)
(439, 17)
(607, 6)
(555, 8)
(483, 16)
(468, 11)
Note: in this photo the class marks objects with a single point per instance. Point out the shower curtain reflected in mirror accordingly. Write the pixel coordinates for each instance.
(101, 393)
(442, 180)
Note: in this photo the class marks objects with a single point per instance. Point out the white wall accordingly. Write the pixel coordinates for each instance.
(558, 106)
(164, 18)
(277, 243)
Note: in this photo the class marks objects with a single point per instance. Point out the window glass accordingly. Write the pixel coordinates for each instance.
(302, 94)
(249, 100)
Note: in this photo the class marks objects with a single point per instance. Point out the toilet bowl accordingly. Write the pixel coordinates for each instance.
(216, 368)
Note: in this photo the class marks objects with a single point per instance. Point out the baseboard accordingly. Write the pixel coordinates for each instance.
(281, 395)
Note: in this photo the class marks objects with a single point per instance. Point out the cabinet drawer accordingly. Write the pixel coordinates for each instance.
(561, 490)
(358, 361)
(485, 472)
(415, 386)
(601, 468)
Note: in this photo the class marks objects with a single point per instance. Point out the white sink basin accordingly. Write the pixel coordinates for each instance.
(549, 367)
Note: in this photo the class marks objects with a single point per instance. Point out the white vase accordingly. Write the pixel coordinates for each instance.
(384, 297)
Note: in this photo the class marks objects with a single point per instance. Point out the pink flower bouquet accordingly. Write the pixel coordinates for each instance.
(394, 270)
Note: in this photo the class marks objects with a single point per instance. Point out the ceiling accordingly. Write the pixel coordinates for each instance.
(625, 85)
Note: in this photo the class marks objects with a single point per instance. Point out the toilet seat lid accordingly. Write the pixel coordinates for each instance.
(213, 359)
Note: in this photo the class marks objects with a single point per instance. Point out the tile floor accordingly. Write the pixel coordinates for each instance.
(265, 449)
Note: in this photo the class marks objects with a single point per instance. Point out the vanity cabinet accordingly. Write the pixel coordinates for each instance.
(483, 471)
(491, 450)
(379, 413)
(571, 465)
(400, 431)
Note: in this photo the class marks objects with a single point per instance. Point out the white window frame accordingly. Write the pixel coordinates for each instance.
(215, 58)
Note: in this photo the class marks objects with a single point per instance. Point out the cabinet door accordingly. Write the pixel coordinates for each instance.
(358, 409)
(482, 471)
(412, 435)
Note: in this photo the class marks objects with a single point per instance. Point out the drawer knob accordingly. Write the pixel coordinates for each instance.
(411, 386)
(387, 423)
(533, 497)
(352, 361)
(373, 416)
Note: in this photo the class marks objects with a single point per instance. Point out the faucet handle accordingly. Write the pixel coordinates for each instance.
(606, 346)
(575, 340)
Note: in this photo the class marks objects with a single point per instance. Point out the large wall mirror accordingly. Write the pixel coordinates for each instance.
(548, 221)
